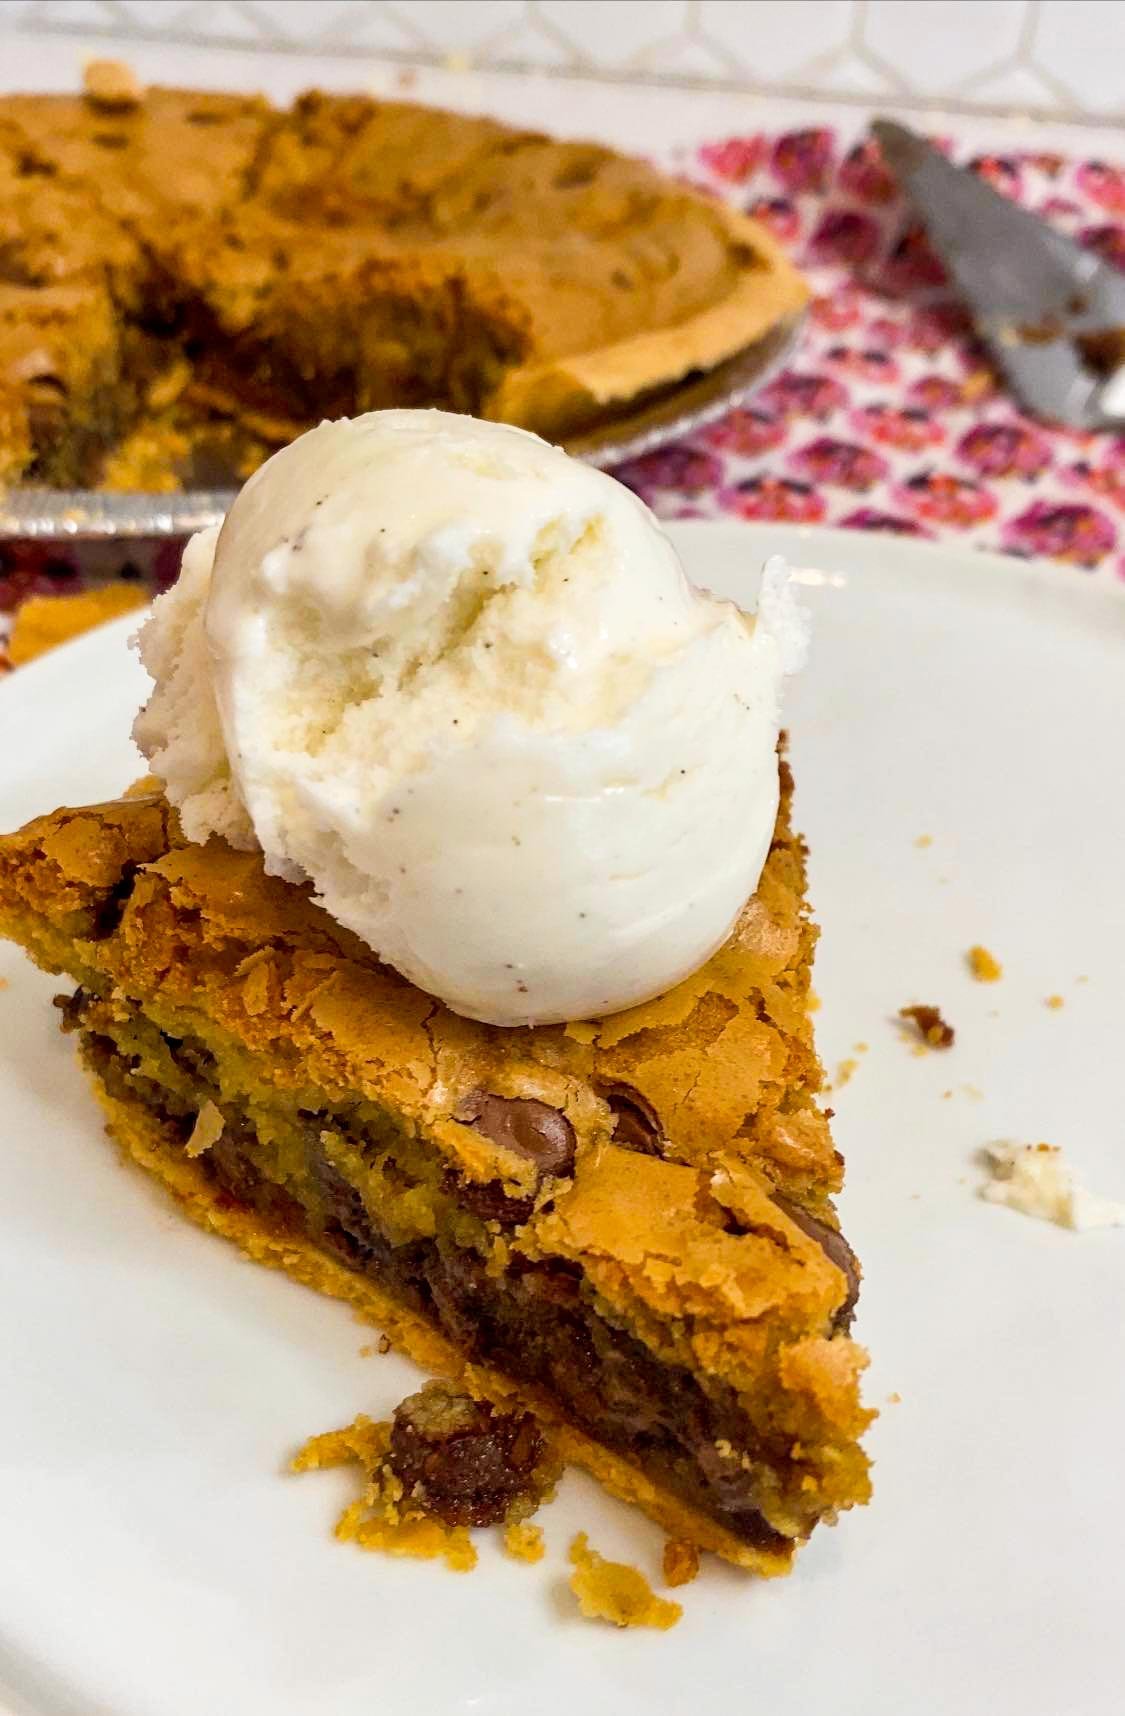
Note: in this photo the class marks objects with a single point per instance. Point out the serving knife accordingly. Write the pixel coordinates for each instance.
(1051, 312)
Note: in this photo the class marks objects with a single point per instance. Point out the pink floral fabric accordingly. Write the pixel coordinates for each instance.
(890, 417)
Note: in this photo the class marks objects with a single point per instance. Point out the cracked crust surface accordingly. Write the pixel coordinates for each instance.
(700, 1168)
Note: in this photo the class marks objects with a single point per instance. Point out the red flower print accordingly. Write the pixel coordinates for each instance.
(1108, 241)
(1000, 171)
(941, 498)
(912, 264)
(779, 216)
(1080, 535)
(682, 467)
(885, 523)
(934, 392)
(864, 173)
(844, 235)
(1059, 209)
(793, 395)
(1104, 185)
(888, 332)
(802, 160)
(736, 159)
(838, 310)
(840, 464)
(1076, 437)
(1107, 480)
(1005, 450)
(910, 429)
(866, 365)
(775, 498)
(745, 432)
(1044, 162)
(930, 329)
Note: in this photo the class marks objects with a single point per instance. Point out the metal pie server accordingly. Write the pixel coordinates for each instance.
(1051, 312)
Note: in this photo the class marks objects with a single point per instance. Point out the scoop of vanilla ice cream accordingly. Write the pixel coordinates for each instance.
(460, 682)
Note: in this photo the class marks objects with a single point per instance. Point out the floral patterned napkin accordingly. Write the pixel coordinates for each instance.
(890, 417)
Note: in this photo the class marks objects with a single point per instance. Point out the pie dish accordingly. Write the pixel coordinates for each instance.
(625, 1224)
(164, 327)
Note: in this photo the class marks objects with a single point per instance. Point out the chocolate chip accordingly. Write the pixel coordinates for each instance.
(636, 1124)
(533, 1129)
(835, 1247)
(931, 1027)
(488, 1200)
(15, 269)
(460, 1458)
(73, 1009)
(575, 175)
(110, 910)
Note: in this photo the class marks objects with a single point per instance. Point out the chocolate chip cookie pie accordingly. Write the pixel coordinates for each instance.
(622, 1225)
(189, 279)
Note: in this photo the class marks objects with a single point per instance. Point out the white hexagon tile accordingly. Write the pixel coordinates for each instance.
(1056, 57)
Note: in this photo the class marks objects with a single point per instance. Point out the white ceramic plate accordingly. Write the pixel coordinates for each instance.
(155, 1560)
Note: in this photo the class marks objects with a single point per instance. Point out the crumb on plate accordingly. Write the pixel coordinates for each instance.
(381, 1518)
(984, 966)
(377, 1348)
(524, 1541)
(680, 1562)
(613, 1591)
(442, 1463)
(923, 841)
(844, 1073)
(894, 1399)
(1037, 1180)
(1054, 1002)
(929, 1024)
